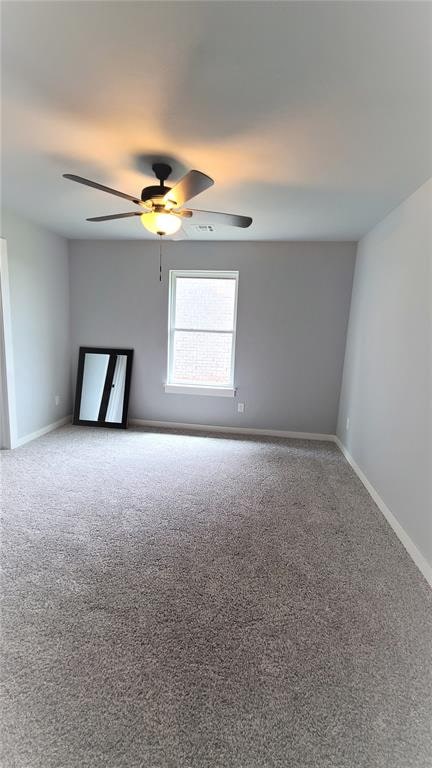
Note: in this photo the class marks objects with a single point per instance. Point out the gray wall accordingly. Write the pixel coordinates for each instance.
(387, 383)
(39, 296)
(293, 308)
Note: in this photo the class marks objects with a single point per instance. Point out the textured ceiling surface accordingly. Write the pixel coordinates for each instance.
(314, 118)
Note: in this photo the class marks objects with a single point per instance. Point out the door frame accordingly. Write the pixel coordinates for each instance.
(8, 435)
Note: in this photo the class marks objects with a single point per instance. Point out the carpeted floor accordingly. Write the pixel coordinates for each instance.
(174, 601)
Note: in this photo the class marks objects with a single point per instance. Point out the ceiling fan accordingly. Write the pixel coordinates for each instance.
(162, 206)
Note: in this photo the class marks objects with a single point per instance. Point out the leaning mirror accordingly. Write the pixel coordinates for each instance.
(103, 384)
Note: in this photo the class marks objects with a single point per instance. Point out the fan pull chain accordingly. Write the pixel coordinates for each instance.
(160, 258)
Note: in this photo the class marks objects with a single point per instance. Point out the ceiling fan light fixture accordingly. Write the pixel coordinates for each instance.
(161, 223)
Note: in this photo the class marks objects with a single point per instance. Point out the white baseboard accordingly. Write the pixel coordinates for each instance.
(402, 535)
(230, 430)
(43, 431)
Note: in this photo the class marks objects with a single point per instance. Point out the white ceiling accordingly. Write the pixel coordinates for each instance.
(314, 118)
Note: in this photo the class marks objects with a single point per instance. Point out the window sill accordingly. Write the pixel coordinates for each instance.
(191, 389)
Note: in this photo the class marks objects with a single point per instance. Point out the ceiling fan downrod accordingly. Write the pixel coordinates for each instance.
(161, 171)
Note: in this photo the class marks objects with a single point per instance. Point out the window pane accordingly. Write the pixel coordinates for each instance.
(205, 303)
(202, 358)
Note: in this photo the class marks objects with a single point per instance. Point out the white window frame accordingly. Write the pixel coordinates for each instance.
(198, 389)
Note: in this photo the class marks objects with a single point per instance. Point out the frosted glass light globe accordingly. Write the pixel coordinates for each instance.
(161, 223)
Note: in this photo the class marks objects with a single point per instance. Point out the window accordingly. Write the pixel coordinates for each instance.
(201, 334)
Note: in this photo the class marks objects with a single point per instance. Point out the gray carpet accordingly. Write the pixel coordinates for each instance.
(174, 601)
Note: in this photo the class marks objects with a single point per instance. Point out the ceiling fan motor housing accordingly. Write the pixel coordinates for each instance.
(148, 193)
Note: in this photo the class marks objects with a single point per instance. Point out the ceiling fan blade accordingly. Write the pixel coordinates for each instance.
(228, 219)
(184, 213)
(189, 186)
(94, 184)
(114, 216)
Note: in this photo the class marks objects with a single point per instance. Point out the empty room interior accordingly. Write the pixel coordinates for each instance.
(216, 384)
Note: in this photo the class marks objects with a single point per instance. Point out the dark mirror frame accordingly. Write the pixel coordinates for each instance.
(107, 390)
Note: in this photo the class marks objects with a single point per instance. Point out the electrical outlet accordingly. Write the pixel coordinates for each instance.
(347, 424)
(57, 399)
(240, 407)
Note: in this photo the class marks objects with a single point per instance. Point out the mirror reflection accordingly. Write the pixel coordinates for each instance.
(102, 386)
